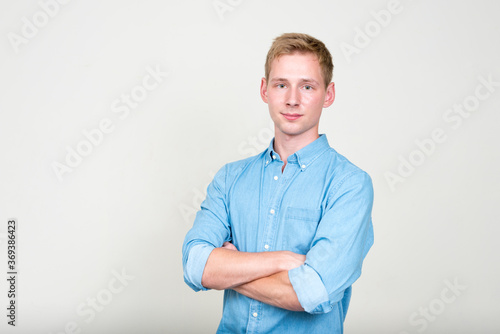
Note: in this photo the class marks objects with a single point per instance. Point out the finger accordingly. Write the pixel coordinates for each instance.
(229, 245)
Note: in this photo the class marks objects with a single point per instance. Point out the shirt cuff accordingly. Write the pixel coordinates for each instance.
(310, 289)
(193, 271)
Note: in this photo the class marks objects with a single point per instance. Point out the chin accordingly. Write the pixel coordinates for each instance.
(292, 132)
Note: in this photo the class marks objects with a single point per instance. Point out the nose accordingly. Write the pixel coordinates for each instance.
(293, 98)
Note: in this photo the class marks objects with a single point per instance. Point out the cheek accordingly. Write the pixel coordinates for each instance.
(271, 98)
(312, 100)
(275, 102)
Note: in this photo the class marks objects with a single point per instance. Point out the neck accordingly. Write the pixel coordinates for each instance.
(286, 145)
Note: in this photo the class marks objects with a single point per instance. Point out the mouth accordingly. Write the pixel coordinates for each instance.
(292, 117)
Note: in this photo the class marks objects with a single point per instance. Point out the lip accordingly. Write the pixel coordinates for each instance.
(292, 117)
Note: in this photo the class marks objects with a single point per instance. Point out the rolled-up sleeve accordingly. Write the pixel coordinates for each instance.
(210, 230)
(342, 240)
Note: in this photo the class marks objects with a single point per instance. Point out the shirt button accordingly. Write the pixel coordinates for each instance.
(303, 166)
(275, 157)
(255, 314)
(275, 177)
(271, 211)
(266, 246)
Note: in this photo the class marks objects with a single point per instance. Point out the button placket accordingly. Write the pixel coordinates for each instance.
(253, 320)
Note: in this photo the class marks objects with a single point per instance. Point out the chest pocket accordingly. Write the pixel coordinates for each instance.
(299, 229)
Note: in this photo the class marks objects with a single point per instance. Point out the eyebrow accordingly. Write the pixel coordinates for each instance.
(303, 80)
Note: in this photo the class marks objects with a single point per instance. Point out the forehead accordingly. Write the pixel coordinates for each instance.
(296, 64)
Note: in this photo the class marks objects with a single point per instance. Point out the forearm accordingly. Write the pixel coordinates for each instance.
(226, 268)
(275, 290)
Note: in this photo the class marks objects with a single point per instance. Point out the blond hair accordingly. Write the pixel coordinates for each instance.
(290, 43)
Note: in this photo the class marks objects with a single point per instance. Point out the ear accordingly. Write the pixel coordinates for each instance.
(263, 89)
(330, 95)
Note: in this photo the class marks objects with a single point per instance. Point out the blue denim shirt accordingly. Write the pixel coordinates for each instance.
(319, 206)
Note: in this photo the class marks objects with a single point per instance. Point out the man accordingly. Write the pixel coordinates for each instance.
(285, 232)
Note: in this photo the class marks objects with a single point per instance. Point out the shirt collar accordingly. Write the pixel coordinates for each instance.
(305, 156)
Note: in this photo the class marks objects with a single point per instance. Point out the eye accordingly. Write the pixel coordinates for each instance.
(281, 85)
(307, 87)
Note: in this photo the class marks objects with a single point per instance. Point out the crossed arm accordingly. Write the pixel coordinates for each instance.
(261, 276)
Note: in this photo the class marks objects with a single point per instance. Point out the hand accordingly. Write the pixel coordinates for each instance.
(292, 260)
(230, 246)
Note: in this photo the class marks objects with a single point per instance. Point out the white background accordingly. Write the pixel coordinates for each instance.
(129, 203)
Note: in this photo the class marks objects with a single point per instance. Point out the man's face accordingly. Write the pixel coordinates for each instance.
(296, 95)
